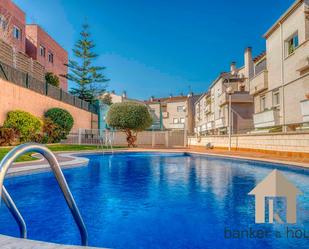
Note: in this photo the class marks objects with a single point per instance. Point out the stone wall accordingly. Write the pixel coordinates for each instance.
(287, 142)
(14, 97)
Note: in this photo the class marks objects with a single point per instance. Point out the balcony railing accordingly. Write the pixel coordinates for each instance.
(176, 126)
(210, 125)
(305, 110)
(236, 97)
(203, 127)
(266, 119)
(207, 109)
(259, 83)
(219, 123)
(165, 114)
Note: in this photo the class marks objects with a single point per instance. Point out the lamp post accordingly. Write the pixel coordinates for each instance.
(229, 91)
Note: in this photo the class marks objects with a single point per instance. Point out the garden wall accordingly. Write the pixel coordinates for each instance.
(14, 97)
(286, 142)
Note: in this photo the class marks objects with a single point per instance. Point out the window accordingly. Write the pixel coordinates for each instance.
(17, 33)
(175, 121)
(276, 98)
(182, 120)
(51, 57)
(263, 103)
(3, 22)
(42, 51)
(292, 44)
(180, 108)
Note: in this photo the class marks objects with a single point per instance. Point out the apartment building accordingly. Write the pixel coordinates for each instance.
(29, 41)
(13, 25)
(174, 112)
(212, 108)
(42, 47)
(281, 76)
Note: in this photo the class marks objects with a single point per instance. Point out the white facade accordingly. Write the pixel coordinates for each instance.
(280, 88)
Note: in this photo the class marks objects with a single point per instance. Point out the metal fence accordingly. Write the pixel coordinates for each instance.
(152, 139)
(25, 80)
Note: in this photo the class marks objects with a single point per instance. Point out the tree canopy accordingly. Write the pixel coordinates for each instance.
(130, 118)
(90, 82)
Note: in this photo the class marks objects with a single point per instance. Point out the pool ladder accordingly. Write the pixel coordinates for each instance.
(7, 162)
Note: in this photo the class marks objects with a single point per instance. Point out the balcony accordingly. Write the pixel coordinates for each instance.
(203, 127)
(210, 125)
(165, 114)
(266, 119)
(177, 126)
(207, 109)
(259, 83)
(236, 97)
(305, 110)
(219, 123)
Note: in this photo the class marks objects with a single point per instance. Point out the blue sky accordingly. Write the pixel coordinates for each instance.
(164, 46)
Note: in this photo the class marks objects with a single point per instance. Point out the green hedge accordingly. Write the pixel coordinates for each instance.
(62, 119)
(23, 122)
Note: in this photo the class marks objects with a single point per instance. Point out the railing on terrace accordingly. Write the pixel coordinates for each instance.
(25, 80)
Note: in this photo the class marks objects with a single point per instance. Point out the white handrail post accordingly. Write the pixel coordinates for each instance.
(79, 136)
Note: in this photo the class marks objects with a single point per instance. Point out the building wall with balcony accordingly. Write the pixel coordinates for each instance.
(13, 16)
(54, 56)
(176, 111)
(287, 72)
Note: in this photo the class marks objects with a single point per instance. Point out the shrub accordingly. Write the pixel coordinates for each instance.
(51, 131)
(130, 118)
(63, 119)
(52, 79)
(23, 122)
(8, 136)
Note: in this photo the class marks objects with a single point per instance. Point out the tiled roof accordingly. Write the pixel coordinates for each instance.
(260, 56)
(168, 99)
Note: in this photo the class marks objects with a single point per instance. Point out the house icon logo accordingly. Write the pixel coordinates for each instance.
(275, 186)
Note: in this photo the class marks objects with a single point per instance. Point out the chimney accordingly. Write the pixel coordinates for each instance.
(171, 96)
(233, 67)
(152, 98)
(124, 94)
(249, 66)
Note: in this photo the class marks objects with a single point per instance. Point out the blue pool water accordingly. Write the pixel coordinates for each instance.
(149, 200)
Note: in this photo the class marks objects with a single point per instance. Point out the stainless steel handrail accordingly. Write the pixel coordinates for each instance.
(15, 212)
(7, 162)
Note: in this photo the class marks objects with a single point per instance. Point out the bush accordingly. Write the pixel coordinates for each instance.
(8, 136)
(23, 122)
(51, 131)
(63, 119)
(52, 79)
(130, 118)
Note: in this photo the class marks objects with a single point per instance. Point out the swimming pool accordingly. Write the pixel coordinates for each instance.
(154, 200)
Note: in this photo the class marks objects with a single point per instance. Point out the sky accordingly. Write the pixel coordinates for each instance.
(162, 47)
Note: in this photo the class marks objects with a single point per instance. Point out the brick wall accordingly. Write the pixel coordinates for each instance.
(37, 37)
(14, 97)
(15, 17)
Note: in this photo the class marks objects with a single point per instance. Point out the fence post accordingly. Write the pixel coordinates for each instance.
(79, 136)
(46, 88)
(166, 139)
(153, 138)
